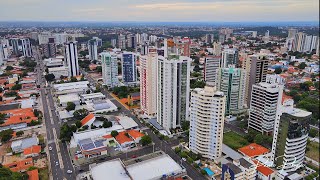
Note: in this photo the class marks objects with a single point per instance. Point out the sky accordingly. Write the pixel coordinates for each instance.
(160, 10)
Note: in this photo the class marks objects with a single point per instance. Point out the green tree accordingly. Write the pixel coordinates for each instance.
(6, 135)
(20, 133)
(313, 133)
(302, 65)
(80, 114)
(114, 133)
(259, 139)
(70, 106)
(145, 140)
(107, 124)
(49, 77)
(16, 87)
(73, 79)
(99, 69)
(185, 125)
(278, 71)
(9, 68)
(78, 124)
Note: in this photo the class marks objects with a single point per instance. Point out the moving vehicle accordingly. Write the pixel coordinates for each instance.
(69, 171)
(50, 148)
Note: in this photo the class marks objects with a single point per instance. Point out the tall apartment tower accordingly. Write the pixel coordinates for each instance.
(290, 138)
(1, 54)
(93, 49)
(49, 49)
(15, 46)
(265, 106)
(231, 81)
(71, 56)
(114, 42)
(211, 67)
(148, 82)
(256, 67)
(122, 41)
(98, 40)
(292, 33)
(109, 69)
(229, 57)
(217, 49)
(129, 68)
(207, 109)
(209, 38)
(299, 41)
(132, 42)
(26, 47)
(173, 86)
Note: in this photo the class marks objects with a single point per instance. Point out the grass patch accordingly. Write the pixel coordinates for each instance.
(44, 174)
(313, 151)
(234, 140)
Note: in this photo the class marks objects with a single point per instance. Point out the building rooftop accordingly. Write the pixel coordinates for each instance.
(135, 134)
(68, 98)
(35, 149)
(298, 112)
(123, 138)
(89, 117)
(71, 85)
(112, 169)
(17, 116)
(20, 165)
(263, 169)
(92, 95)
(234, 168)
(127, 122)
(33, 174)
(245, 163)
(253, 150)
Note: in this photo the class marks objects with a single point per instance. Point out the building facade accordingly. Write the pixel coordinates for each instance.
(207, 109)
(148, 82)
(93, 49)
(26, 47)
(211, 67)
(265, 106)
(129, 68)
(71, 56)
(173, 86)
(109, 69)
(229, 57)
(231, 81)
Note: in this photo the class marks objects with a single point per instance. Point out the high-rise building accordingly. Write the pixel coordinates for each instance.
(122, 41)
(256, 67)
(26, 47)
(1, 54)
(299, 41)
(307, 43)
(173, 86)
(129, 68)
(315, 41)
(292, 33)
(145, 48)
(209, 38)
(231, 81)
(49, 50)
(71, 56)
(15, 46)
(207, 109)
(217, 48)
(138, 38)
(114, 42)
(290, 138)
(210, 71)
(98, 40)
(229, 57)
(132, 42)
(109, 69)
(144, 37)
(148, 82)
(264, 106)
(153, 38)
(93, 49)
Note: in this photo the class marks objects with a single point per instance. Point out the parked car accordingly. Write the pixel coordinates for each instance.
(69, 171)
(50, 148)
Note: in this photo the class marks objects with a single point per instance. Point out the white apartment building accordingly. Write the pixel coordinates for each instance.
(217, 48)
(207, 109)
(93, 49)
(148, 82)
(109, 69)
(173, 86)
(231, 81)
(122, 41)
(59, 71)
(211, 67)
(229, 57)
(26, 47)
(265, 106)
(71, 56)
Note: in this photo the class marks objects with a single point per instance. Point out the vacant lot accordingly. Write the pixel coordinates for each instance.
(234, 140)
(313, 151)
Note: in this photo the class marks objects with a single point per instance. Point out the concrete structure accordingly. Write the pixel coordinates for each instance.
(292, 33)
(217, 49)
(15, 46)
(64, 99)
(122, 41)
(93, 49)
(74, 87)
(53, 62)
(173, 85)
(92, 97)
(59, 72)
(290, 138)
(211, 66)
(231, 81)
(26, 47)
(229, 57)
(207, 108)
(109, 69)
(264, 106)
(256, 67)
(129, 68)
(71, 57)
(148, 82)
(49, 49)
(20, 145)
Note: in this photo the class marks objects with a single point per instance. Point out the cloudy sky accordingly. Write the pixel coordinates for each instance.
(160, 10)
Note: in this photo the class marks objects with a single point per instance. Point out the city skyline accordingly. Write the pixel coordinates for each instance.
(169, 11)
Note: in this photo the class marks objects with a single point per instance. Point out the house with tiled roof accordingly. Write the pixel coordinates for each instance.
(20, 166)
(135, 135)
(33, 174)
(253, 150)
(123, 138)
(18, 118)
(32, 151)
(264, 172)
(88, 120)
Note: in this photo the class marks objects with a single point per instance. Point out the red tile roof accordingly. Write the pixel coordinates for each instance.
(253, 150)
(108, 136)
(87, 119)
(285, 97)
(263, 169)
(33, 175)
(135, 134)
(18, 116)
(20, 165)
(36, 149)
(122, 138)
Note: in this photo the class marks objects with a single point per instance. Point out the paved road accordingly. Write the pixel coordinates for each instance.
(159, 144)
(60, 161)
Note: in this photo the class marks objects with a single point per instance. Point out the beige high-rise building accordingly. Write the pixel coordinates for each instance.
(148, 82)
(207, 109)
(256, 67)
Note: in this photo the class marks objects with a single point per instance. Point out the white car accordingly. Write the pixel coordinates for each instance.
(57, 163)
(184, 159)
(50, 148)
(69, 171)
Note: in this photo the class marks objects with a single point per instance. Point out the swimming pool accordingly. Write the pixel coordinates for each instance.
(208, 171)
